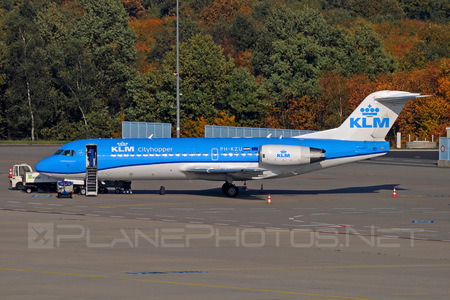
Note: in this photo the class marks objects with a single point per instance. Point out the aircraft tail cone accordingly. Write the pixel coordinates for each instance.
(10, 172)
(394, 194)
(269, 200)
(261, 191)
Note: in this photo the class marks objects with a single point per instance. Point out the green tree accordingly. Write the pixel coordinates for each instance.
(244, 98)
(434, 10)
(366, 54)
(203, 73)
(104, 28)
(29, 90)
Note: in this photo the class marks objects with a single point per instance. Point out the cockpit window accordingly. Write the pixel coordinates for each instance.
(68, 153)
(58, 152)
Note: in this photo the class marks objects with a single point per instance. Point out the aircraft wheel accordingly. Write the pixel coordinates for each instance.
(225, 187)
(231, 191)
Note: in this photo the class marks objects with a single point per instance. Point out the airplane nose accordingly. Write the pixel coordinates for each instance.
(42, 166)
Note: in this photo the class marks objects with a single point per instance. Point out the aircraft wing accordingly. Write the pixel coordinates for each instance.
(217, 171)
(237, 173)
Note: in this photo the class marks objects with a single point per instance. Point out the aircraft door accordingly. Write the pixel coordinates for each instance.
(214, 154)
(91, 156)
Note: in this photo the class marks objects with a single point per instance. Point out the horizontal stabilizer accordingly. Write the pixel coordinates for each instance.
(399, 97)
(371, 120)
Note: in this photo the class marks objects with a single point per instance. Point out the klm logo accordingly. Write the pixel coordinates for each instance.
(372, 122)
(122, 148)
(283, 153)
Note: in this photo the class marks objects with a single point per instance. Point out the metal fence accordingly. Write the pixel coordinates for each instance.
(144, 130)
(444, 148)
(227, 131)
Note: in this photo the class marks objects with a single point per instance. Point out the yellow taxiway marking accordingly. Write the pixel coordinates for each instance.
(186, 284)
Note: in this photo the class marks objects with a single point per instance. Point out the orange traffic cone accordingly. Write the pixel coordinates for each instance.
(245, 185)
(269, 200)
(394, 194)
(10, 172)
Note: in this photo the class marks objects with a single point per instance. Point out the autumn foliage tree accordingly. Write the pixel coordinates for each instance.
(76, 68)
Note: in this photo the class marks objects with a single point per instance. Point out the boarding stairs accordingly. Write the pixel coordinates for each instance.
(91, 181)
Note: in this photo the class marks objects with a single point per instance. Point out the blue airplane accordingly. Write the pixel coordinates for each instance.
(360, 137)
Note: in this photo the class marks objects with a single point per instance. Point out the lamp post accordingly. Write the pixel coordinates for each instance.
(178, 76)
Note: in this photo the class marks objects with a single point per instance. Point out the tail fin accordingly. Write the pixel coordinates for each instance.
(371, 120)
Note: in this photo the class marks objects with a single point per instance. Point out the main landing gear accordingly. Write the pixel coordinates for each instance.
(230, 190)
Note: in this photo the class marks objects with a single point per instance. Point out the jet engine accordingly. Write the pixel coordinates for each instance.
(289, 155)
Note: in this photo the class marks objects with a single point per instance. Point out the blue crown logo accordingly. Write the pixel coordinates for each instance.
(283, 151)
(370, 111)
(122, 144)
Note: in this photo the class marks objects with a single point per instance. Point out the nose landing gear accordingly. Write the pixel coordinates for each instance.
(230, 190)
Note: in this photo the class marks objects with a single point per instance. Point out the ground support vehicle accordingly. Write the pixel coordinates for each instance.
(119, 186)
(16, 173)
(35, 181)
(22, 177)
(65, 189)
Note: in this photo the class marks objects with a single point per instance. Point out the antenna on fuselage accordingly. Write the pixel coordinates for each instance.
(269, 135)
(151, 136)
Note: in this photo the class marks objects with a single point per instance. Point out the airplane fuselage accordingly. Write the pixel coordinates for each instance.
(209, 159)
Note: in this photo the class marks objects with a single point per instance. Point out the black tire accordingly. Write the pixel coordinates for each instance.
(28, 190)
(19, 186)
(232, 191)
(224, 188)
(118, 190)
